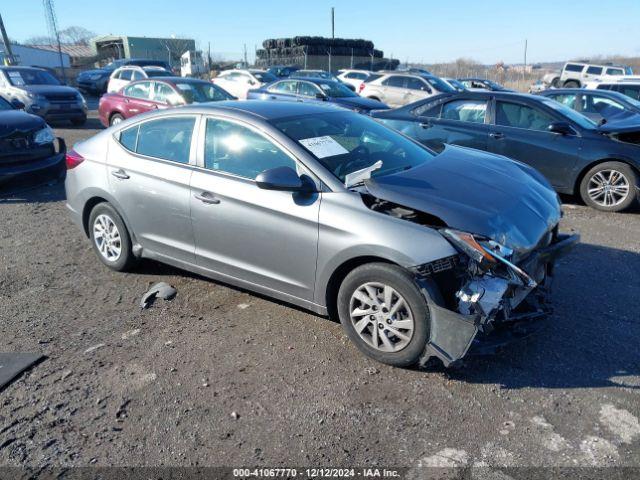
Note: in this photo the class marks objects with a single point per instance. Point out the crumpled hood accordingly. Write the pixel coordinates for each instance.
(12, 121)
(44, 89)
(477, 192)
(360, 102)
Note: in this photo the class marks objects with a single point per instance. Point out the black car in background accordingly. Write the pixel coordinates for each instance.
(27, 147)
(96, 80)
(601, 163)
(597, 104)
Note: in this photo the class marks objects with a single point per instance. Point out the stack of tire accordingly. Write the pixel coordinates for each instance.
(300, 46)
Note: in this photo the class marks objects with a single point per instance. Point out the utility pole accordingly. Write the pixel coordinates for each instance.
(524, 69)
(52, 25)
(333, 34)
(7, 45)
(245, 56)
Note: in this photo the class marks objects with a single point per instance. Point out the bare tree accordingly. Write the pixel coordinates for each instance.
(76, 35)
(38, 40)
(175, 48)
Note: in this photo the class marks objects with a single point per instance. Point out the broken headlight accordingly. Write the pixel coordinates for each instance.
(470, 244)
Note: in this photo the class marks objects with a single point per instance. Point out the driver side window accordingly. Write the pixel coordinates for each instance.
(521, 116)
(235, 149)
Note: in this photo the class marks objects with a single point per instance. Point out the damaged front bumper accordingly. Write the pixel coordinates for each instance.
(489, 302)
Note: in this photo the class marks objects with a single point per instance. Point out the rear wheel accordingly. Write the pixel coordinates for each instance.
(110, 238)
(115, 119)
(609, 186)
(384, 313)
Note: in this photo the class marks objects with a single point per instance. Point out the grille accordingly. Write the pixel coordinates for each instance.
(21, 149)
(61, 97)
(438, 266)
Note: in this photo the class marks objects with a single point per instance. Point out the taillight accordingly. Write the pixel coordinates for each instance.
(73, 159)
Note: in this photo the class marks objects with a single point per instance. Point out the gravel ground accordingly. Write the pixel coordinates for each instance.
(222, 377)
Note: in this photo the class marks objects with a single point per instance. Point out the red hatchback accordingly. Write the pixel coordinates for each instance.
(159, 92)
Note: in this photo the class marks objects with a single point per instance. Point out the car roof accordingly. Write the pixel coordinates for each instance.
(264, 110)
(20, 67)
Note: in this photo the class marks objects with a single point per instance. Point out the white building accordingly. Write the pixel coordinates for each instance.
(35, 57)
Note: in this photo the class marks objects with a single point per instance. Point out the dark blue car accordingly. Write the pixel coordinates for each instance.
(597, 104)
(315, 90)
(601, 163)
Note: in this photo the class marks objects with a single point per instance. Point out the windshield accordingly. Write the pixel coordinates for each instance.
(574, 116)
(439, 84)
(20, 77)
(265, 77)
(345, 142)
(196, 92)
(158, 73)
(336, 90)
(4, 105)
(456, 84)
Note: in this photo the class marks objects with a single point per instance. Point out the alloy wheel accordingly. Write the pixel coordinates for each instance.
(608, 188)
(381, 317)
(116, 120)
(107, 238)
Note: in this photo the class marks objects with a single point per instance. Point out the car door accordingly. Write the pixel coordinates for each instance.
(265, 237)
(138, 98)
(285, 90)
(149, 170)
(592, 73)
(520, 131)
(309, 91)
(120, 80)
(394, 90)
(462, 121)
(417, 89)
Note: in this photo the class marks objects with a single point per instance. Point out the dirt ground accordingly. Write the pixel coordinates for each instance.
(222, 377)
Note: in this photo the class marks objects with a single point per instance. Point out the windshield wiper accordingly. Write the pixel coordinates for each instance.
(359, 176)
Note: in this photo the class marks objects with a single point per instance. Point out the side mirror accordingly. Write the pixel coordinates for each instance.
(17, 104)
(561, 128)
(321, 96)
(280, 178)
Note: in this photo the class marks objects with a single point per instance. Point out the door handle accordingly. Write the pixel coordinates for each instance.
(206, 197)
(121, 174)
(426, 125)
(496, 135)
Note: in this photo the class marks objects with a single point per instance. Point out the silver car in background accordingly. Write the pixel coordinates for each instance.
(419, 254)
(399, 88)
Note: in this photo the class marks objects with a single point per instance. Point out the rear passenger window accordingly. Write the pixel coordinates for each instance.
(129, 137)
(395, 81)
(165, 138)
(521, 116)
(569, 100)
(594, 70)
(238, 150)
(465, 111)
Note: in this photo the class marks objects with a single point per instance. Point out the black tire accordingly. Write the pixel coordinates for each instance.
(402, 282)
(117, 117)
(631, 179)
(571, 84)
(78, 122)
(126, 260)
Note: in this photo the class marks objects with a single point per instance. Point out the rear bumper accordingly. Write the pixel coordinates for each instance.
(453, 334)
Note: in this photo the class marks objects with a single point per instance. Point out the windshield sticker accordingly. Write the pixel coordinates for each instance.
(323, 147)
(184, 86)
(16, 79)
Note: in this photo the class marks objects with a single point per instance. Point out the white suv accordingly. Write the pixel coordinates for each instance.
(397, 88)
(238, 82)
(577, 74)
(123, 76)
(354, 77)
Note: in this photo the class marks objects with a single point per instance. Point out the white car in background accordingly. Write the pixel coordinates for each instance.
(354, 77)
(123, 76)
(239, 81)
(628, 85)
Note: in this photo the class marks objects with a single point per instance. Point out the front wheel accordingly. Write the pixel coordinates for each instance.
(384, 313)
(609, 186)
(115, 119)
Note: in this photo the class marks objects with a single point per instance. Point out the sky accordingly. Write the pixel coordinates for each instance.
(427, 31)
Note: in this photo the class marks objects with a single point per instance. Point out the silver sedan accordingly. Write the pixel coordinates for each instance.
(419, 254)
